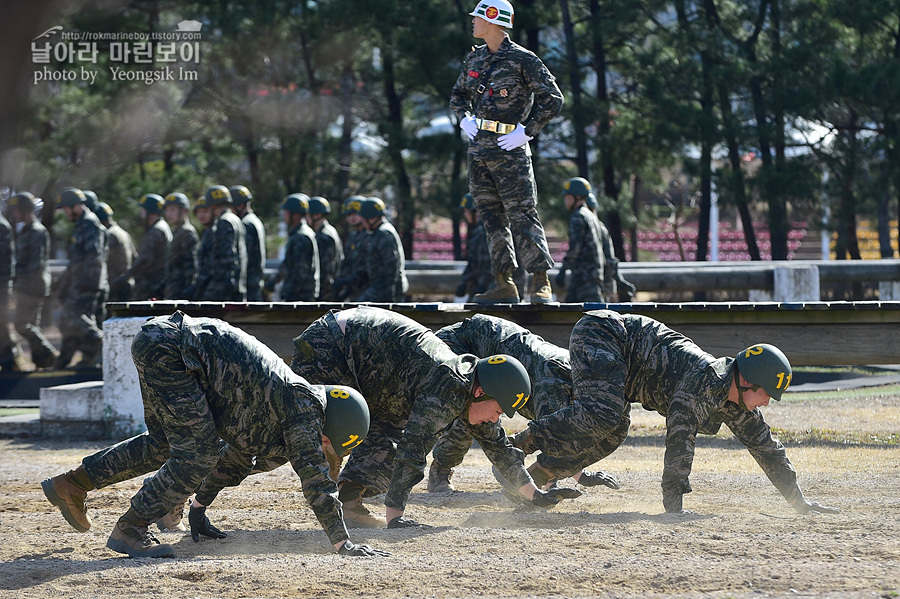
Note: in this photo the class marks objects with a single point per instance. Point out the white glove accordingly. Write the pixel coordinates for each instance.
(469, 126)
(514, 140)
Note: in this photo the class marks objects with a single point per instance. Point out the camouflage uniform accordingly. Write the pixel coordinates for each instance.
(353, 270)
(415, 387)
(620, 358)
(32, 288)
(202, 379)
(477, 275)
(547, 366)
(256, 255)
(585, 257)
(385, 266)
(118, 263)
(7, 272)
(331, 256)
(299, 270)
(502, 183)
(149, 269)
(81, 287)
(181, 269)
(222, 275)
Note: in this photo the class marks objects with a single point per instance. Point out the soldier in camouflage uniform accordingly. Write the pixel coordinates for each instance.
(416, 387)
(256, 242)
(299, 270)
(83, 281)
(620, 358)
(385, 261)
(331, 252)
(223, 265)
(149, 268)
(202, 379)
(352, 277)
(8, 347)
(477, 275)
(585, 256)
(614, 284)
(547, 366)
(120, 256)
(181, 269)
(203, 212)
(497, 87)
(32, 285)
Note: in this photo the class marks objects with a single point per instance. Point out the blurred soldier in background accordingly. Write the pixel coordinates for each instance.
(9, 349)
(81, 284)
(32, 284)
(585, 257)
(614, 284)
(385, 261)
(331, 252)
(477, 275)
(120, 258)
(181, 268)
(352, 277)
(299, 271)
(203, 212)
(149, 268)
(223, 273)
(256, 242)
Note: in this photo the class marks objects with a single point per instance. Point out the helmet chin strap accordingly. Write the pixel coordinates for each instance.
(740, 390)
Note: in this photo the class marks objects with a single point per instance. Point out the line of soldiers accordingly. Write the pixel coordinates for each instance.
(378, 387)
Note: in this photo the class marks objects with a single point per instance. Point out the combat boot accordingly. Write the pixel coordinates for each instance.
(541, 293)
(171, 522)
(131, 537)
(439, 480)
(44, 359)
(501, 291)
(355, 513)
(67, 492)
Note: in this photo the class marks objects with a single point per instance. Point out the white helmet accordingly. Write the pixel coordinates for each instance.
(498, 12)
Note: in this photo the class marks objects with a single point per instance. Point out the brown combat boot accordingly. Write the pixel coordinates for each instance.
(131, 537)
(540, 292)
(171, 522)
(439, 480)
(67, 492)
(356, 515)
(501, 291)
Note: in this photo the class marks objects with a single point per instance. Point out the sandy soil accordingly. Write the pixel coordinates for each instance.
(743, 541)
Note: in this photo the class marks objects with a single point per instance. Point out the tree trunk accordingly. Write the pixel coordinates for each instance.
(579, 123)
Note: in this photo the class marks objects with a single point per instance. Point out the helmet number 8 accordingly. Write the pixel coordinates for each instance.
(496, 360)
(339, 393)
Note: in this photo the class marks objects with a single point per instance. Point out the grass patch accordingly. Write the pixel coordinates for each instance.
(18, 411)
(832, 436)
(862, 392)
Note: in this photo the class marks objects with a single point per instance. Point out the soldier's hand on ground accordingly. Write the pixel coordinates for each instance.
(469, 126)
(352, 550)
(595, 479)
(544, 499)
(814, 507)
(516, 139)
(401, 522)
(200, 525)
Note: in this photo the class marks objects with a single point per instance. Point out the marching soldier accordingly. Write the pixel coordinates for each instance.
(493, 97)
(223, 270)
(477, 275)
(181, 269)
(585, 256)
(202, 380)
(331, 253)
(120, 257)
(256, 242)
(9, 349)
(149, 268)
(299, 271)
(352, 277)
(385, 261)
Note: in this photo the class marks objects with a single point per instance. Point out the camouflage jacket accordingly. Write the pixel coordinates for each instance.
(406, 373)
(262, 408)
(514, 79)
(121, 252)
(585, 256)
(7, 253)
(547, 364)
(256, 253)
(331, 255)
(385, 266)
(181, 269)
(299, 271)
(88, 249)
(222, 275)
(149, 268)
(353, 269)
(32, 255)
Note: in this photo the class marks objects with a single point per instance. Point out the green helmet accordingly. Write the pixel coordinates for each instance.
(218, 194)
(467, 202)
(346, 417)
(152, 203)
(91, 200)
(104, 212)
(240, 194)
(23, 200)
(319, 205)
(70, 196)
(577, 186)
(352, 205)
(371, 208)
(176, 198)
(765, 365)
(202, 202)
(296, 203)
(503, 378)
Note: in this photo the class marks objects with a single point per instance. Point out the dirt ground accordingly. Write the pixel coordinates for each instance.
(743, 541)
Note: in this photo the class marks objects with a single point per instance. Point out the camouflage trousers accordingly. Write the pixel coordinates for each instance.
(597, 422)
(319, 358)
(506, 196)
(7, 345)
(181, 439)
(583, 286)
(78, 325)
(28, 324)
(451, 448)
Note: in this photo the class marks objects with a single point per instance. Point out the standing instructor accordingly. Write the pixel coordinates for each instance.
(499, 84)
